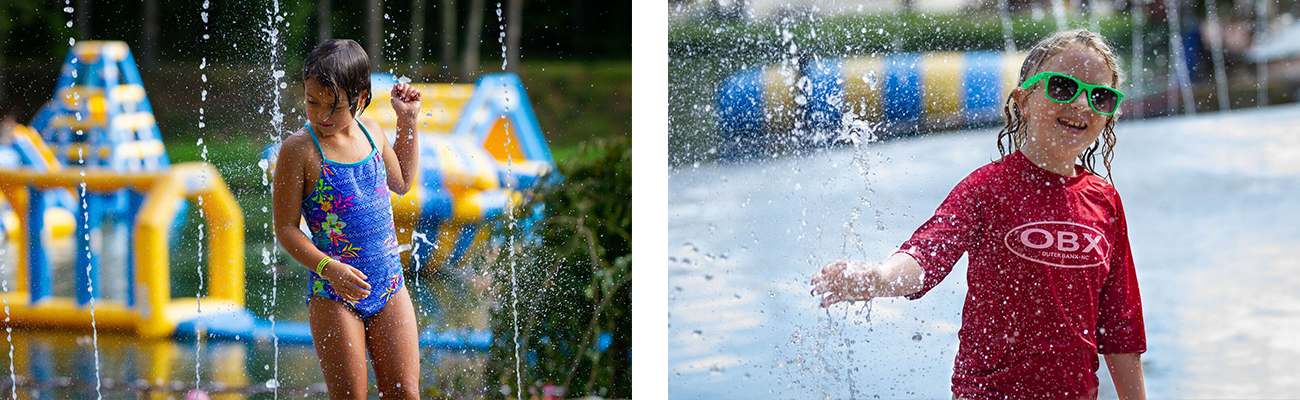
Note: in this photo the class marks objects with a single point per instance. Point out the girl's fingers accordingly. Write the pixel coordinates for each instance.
(357, 294)
(821, 288)
(829, 277)
(360, 275)
(362, 285)
(406, 92)
(831, 298)
(828, 270)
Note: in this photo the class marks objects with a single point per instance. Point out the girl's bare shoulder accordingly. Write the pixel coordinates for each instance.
(296, 143)
(298, 147)
(371, 125)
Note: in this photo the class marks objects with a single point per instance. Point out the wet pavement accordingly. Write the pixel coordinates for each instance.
(1213, 206)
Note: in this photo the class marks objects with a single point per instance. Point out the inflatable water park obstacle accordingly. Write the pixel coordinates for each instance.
(94, 153)
(480, 146)
(480, 149)
(902, 93)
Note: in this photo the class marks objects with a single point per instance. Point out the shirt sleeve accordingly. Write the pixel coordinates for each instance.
(1119, 320)
(940, 241)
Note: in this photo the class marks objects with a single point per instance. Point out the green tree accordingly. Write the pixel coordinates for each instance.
(572, 281)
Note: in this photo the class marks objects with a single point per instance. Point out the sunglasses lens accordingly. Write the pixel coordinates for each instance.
(1060, 88)
(1105, 100)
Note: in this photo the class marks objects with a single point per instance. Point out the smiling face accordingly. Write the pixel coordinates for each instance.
(320, 105)
(1060, 132)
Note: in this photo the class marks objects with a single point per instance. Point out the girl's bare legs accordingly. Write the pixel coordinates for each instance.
(340, 339)
(393, 341)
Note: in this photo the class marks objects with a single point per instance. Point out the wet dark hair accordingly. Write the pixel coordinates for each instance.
(341, 65)
(1013, 134)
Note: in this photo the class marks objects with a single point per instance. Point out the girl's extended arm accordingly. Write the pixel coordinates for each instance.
(286, 211)
(1126, 371)
(405, 150)
(841, 280)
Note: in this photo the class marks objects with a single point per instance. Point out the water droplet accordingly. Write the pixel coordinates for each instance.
(916, 337)
(871, 78)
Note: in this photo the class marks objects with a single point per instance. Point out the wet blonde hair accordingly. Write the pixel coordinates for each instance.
(1012, 135)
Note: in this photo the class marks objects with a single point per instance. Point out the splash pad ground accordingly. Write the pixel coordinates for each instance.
(1210, 202)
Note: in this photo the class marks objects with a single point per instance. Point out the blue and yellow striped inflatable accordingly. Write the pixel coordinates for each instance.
(906, 91)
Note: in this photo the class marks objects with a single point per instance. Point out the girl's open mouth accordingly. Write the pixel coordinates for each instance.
(1072, 125)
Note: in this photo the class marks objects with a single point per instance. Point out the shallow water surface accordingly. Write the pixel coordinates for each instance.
(1211, 205)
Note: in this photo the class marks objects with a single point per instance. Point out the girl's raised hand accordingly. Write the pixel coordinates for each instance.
(843, 280)
(347, 281)
(406, 100)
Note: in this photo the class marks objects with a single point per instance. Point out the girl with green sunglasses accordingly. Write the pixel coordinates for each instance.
(1063, 88)
(1051, 279)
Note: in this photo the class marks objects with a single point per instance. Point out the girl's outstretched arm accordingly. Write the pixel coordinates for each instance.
(842, 280)
(286, 211)
(402, 159)
(1126, 371)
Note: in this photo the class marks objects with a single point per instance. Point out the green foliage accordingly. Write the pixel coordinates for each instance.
(578, 101)
(573, 280)
(573, 31)
(879, 33)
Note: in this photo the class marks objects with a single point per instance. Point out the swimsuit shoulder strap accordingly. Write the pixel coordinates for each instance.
(314, 139)
(367, 132)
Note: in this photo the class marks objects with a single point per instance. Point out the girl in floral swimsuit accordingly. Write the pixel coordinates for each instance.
(337, 172)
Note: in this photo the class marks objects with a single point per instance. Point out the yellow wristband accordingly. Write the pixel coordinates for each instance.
(320, 266)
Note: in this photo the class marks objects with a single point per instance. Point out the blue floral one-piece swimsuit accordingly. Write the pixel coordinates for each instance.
(351, 219)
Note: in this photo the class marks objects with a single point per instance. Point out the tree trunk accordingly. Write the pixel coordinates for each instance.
(582, 37)
(5, 108)
(473, 30)
(514, 28)
(448, 38)
(374, 34)
(323, 21)
(416, 53)
(149, 36)
(83, 19)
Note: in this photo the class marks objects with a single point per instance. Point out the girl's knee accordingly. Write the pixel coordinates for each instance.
(353, 391)
(407, 390)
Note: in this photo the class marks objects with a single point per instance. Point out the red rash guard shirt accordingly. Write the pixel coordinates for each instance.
(1051, 280)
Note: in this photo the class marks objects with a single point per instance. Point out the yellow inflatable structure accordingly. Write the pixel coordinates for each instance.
(149, 310)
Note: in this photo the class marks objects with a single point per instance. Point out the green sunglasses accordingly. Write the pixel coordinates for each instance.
(1063, 88)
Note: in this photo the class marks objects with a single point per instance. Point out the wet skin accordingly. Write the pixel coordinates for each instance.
(341, 337)
(1053, 137)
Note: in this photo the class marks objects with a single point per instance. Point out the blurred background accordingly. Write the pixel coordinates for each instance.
(802, 132)
(224, 81)
(1177, 57)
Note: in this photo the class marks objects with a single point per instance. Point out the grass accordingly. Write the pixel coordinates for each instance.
(876, 33)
